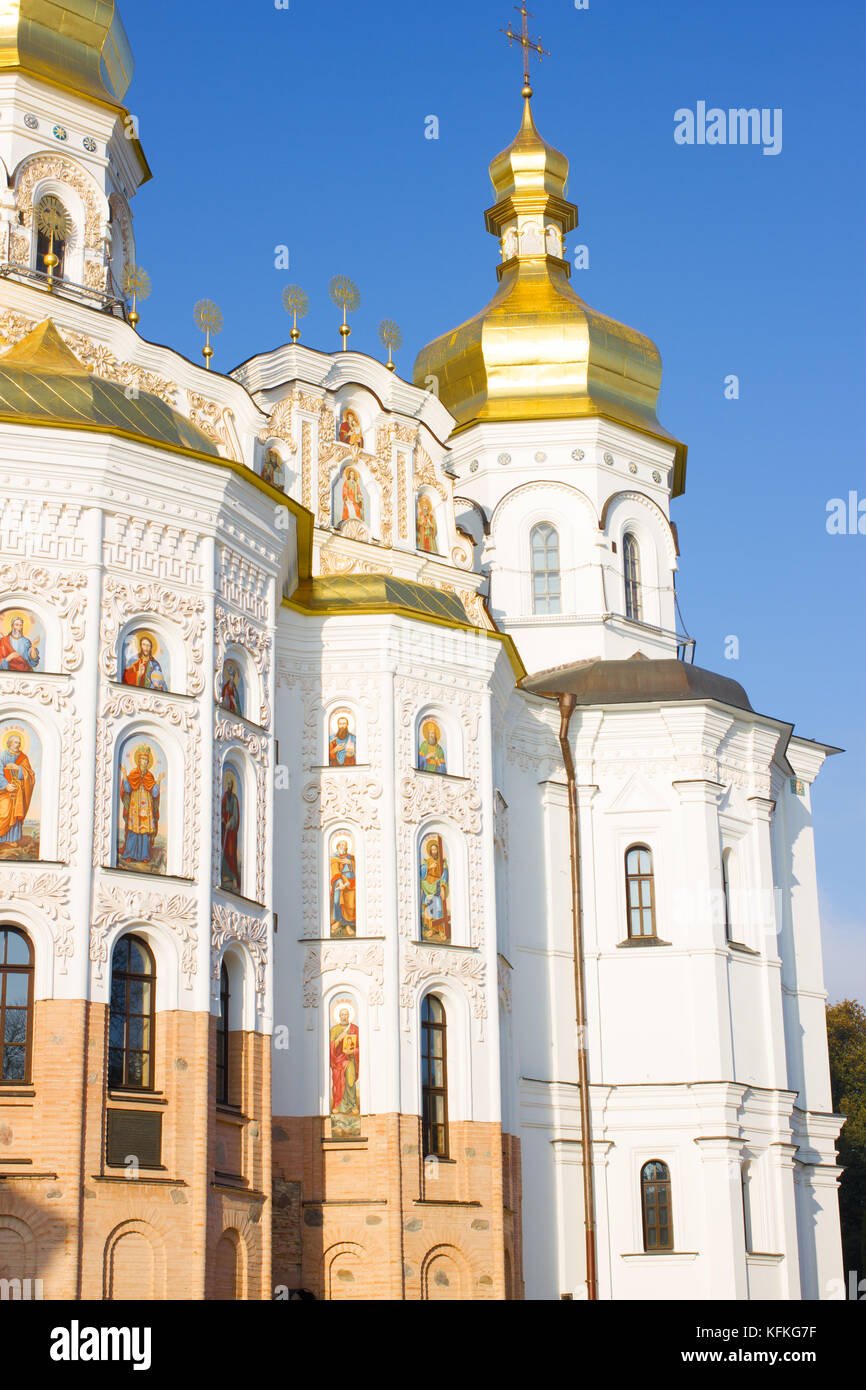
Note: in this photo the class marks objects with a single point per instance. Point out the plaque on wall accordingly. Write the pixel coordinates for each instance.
(134, 1134)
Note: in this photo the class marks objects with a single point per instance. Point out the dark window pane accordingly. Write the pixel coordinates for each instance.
(17, 988)
(14, 1063)
(17, 949)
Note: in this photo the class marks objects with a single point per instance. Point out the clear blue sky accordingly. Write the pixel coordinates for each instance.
(305, 126)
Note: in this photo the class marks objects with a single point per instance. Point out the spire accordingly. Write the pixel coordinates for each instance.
(532, 214)
(526, 43)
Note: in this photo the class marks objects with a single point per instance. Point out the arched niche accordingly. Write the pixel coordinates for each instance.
(344, 730)
(149, 800)
(237, 684)
(150, 654)
(236, 823)
(437, 744)
(345, 888)
(30, 635)
(441, 877)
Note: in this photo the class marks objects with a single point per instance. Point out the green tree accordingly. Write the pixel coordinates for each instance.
(846, 1036)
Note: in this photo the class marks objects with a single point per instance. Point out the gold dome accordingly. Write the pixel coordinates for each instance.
(78, 44)
(537, 351)
(42, 382)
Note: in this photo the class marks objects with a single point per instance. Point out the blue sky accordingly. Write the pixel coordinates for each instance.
(305, 127)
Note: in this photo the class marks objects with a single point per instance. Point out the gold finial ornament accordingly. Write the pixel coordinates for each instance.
(296, 303)
(135, 283)
(346, 295)
(391, 337)
(526, 43)
(54, 221)
(209, 318)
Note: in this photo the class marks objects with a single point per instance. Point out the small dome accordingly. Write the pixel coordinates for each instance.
(79, 44)
(529, 165)
(43, 382)
(537, 351)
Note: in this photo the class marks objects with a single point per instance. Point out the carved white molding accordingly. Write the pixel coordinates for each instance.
(234, 731)
(57, 696)
(418, 964)
(62, 590)
(153, 550)
(228, 924)
(117, 906)
(230, 629)
(47, 892)
(339, 956)
(243, 584)
(131, 702)
(35, 527)
(423, 795)
(122, 600)
(342, 798)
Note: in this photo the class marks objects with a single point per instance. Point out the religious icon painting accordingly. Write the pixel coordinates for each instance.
(344, 1057)
(20, 790)
(141, 775)
(233, 688)
(341, 878)
(342, 743)
(21, 641)
(425, 525)
(143, 661)
(431, 747)
(435, 890)
(350, 431)
(231, 868)
(351, 498)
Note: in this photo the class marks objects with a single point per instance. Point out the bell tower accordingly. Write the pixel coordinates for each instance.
(69, 149)
(564, 473)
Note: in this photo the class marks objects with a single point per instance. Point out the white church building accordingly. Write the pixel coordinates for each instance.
(389, 908)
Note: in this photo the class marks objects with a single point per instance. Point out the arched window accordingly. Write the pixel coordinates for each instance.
(54, 230)
(546, 583)
(131, 1015)
(640, 892)
(631, 570)
(655, 1198)
(726, 890)
(16, 1004)
(434, 1077)
(222, 1040)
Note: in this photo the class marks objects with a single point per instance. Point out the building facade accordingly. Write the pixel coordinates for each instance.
(288, 955)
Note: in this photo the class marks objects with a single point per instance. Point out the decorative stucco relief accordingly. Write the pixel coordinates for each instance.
(118, 906)
(122, 600)
(46, 892)
(232, 629)
(228, 924)
(130, 702)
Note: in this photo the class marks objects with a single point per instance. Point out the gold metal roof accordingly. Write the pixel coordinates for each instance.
(360, 593)
(79, 44)
(537, 351)
(43, 382)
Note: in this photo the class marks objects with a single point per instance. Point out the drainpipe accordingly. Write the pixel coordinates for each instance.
(566, 709)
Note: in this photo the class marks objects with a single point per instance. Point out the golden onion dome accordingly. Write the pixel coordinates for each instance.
(78, 44)
(537, 351)
(42, 382)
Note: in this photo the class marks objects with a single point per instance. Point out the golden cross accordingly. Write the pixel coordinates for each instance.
(526, 43)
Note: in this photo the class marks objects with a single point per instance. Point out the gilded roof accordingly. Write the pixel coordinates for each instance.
(80, 44)
(372, 593)
(537, 351)
(42, 381)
